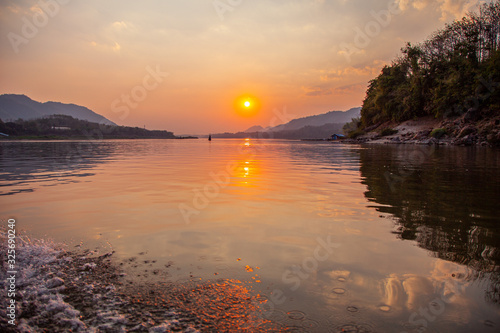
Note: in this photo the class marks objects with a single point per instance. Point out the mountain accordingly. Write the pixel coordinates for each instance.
(13, 107)
(307, 132)
(332, 117)
(321, 126)
(254, 129)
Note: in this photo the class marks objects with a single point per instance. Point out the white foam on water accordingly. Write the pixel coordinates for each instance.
(41, 268)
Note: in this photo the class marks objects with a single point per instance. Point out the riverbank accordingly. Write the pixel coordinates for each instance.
(465, 130)
(58, 290)
(83, 138)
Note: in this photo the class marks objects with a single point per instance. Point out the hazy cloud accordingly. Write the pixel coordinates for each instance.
(449, 9)
(354, 71)
(317, 91)
(351, 88)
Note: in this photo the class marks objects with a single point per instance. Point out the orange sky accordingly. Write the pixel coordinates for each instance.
(180, 65)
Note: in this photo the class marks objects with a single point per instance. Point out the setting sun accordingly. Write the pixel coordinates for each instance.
(247, 105)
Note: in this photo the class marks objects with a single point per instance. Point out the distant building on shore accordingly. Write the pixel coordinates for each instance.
(337, 137)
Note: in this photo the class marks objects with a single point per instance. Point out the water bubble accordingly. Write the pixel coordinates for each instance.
(296, 315)
(489, 323)
(309, 323)
(352, 308)
(295, 329)
(268, 326)
(435, 305)
(339, 291)
(275, 315)
(384, 308)
(352, 328)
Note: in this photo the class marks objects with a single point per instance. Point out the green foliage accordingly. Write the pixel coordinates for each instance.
(354, 134)
(62, 126)
(388, 131)
(456, 69)
(438, 133)
(351, 126)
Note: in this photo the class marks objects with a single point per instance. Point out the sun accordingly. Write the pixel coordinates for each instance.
(246, 105)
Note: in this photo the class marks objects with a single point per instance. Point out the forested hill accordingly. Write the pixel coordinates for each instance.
(66, 127)
(455, 71)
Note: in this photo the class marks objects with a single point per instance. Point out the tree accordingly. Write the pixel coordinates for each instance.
(439, 75)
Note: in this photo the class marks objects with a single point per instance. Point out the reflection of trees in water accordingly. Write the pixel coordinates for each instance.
(444, 198)
(25, 163)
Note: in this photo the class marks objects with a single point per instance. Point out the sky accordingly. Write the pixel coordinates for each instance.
(188, 66)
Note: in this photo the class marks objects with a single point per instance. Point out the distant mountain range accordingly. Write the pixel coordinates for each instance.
(321, 126)
(254, 129)
(13, 107)
(332, 117)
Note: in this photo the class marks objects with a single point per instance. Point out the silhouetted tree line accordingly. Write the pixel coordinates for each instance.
(62, 126)
(457, 69)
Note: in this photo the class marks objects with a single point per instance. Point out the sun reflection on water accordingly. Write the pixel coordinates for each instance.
(223, 305)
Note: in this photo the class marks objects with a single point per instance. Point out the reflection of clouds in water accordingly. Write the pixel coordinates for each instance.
(407, 291)
(450, 274)
(394, 293)
(419, 290)
(442, 291)
(438, 297)
(413, 291)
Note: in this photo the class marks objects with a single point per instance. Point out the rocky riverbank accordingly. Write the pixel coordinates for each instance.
(467, 130)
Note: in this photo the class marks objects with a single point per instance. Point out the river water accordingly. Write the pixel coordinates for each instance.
(334, 238)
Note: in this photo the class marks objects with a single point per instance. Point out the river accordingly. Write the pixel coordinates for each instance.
(352, 238)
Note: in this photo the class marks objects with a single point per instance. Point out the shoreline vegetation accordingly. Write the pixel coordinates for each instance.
(457, 131)
(445, 90)
(58, 290)
(63, 127)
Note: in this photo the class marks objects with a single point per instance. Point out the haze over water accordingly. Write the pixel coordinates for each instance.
(360, 238)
